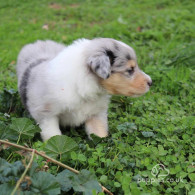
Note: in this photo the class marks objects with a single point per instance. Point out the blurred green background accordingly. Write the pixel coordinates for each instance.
(159, 31)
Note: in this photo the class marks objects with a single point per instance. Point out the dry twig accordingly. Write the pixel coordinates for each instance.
(23, 175)
(46, 157)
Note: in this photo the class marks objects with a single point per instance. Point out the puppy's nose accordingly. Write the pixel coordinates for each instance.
(150, 83)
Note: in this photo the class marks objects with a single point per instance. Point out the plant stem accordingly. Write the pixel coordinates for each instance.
(23, 175)
(48, 158)
(9, 157)
(40, 154)
(18, 138)
(60, 160)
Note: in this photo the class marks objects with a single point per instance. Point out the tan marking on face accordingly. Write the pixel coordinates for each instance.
(131, 64)
(97, 126)
(121, 84)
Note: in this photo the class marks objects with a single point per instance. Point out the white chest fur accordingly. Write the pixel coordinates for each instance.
(84, 110)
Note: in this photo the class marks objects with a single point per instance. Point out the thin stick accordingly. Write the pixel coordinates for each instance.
(106, 190)
(23, 175)
(50, 159)
(40, 154)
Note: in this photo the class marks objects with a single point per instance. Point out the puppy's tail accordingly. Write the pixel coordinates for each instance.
(36, 53)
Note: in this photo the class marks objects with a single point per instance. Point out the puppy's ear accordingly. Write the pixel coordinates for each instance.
(100, 65)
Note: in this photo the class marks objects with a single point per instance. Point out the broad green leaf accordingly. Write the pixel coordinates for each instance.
(192, 192)
(192, 176)
(161, 150)
(117, 184)
(127, 127)
(137, 177)
(24, 127)
(183, 174)
(7, 169)
(3, 162)
(59, 145)
(17, 167)
(125, 184)
(86, 182)
(81, 157)
(6, 189)
(44, 183)
(134, 188)
(7, 133)
(147, 134)
(103, 179)
(33, 168)
(8, 100)
(191, 169)
(64, 179)
(26, 193)
(73, 155)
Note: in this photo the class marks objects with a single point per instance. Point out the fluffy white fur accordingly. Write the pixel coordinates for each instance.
(62, 89)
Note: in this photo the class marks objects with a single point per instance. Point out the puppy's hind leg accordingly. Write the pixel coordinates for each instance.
(97, 125)
(49, 127)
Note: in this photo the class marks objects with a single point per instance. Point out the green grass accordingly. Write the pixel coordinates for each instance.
(153, 129)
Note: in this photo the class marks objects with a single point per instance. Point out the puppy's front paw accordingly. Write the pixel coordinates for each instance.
(100, 65)
(45, 135)
(99, 135)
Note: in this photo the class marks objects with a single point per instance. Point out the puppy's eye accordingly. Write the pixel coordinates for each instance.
(130, 71)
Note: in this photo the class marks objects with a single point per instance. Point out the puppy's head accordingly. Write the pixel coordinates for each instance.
(115, 64)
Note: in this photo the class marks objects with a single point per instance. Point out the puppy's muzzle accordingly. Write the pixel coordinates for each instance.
(150, 83)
